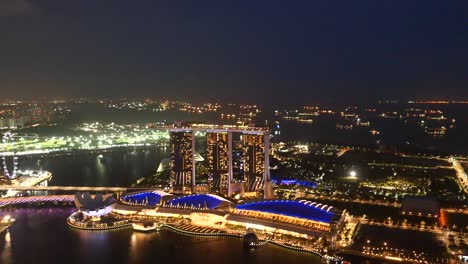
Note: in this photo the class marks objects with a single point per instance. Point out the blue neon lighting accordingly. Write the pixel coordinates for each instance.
(149, 198)
(209, 201)
(295, 182)
(301, 209)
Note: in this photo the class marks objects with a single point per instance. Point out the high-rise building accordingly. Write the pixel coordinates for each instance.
(253, 163)
(182, 174)
(41, 113)
(217, 155)
(254, 160)
(12, 123)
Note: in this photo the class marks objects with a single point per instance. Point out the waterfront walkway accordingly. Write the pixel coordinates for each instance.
(189, 229)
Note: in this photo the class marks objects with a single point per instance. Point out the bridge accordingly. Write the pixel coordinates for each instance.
(36, 199)
(74, 188)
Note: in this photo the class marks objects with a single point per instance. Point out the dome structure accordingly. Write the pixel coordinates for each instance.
(94, 205)
(146, 198)
(200, 201)
(292, 208)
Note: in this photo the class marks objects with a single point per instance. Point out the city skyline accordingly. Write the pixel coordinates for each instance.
(236, 131)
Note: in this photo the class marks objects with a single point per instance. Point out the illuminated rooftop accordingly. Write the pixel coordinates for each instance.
(147, 198)
(208, 201)
(300, 209)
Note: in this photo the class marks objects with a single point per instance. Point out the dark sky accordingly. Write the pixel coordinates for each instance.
(250, 51)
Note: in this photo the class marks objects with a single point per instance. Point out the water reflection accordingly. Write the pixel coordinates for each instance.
(45, 236)
(101, 170)
(139, 242)
(6, 249)
(115, 168)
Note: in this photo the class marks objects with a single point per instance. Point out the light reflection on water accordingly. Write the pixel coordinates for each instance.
(42, 236)
(116, 168)
(6, 249)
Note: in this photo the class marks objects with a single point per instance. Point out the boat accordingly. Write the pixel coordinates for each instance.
(145, 226)
(250, 240)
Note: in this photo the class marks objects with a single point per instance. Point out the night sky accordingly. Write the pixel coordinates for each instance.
(241, 51)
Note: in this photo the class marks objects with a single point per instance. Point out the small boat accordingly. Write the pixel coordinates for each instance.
(250, 240)
(145, 226)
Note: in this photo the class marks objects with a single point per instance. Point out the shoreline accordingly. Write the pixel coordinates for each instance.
(196, 234)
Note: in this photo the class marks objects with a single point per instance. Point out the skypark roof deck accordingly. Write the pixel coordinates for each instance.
(217, 128)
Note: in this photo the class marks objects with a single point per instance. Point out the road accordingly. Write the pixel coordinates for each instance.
(360, 201)
(405, 227)
(461, 174)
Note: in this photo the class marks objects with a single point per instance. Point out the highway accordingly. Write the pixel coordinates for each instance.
(406, 166)
(461, 174)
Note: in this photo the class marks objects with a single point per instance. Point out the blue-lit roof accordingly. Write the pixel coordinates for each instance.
(209, 201)
(301, 209)
(297, 182)
(148, 198)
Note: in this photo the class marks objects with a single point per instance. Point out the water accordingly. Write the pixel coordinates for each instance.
(42, 236)
(116, 168)
(406, 136)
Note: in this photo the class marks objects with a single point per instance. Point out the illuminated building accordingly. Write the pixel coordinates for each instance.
(303, 213)
(182, 175)
(254, 160)
(198, 201)
(94, 206)
(151, 198)
(218, 154)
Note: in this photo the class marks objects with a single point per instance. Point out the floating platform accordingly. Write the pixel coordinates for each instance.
(145, 227)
